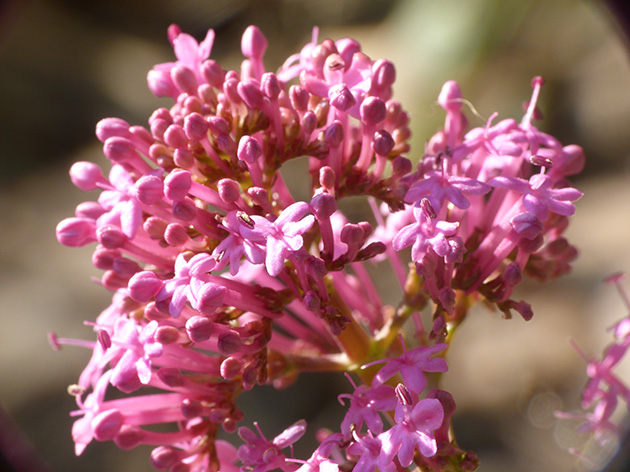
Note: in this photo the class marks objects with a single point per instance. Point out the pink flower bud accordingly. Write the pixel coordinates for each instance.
(249, 91)
(199, 328)
(191, 408)
(383, 74)
(299, 97)
(166, 335)
(352, 235)
(175, 137)
(323, 205)
(171, 376)
(229, 190)
(373, 111)
(110, 236)
(383, 143)
(109, 127)
(334, 135)
(161, 84)
(230, 89)
(249, 149)
(177, 185)
(184, 79)
(346, 48)
(230, 368)
(450, 96)
(218, 125)
(104, 258)
(185, 209)
(271, 85)
(253, 43)
(229, 342)
(144, 285)
(75, 232)
(183, 158)
(155, 227)
(341, 97)
(164, 457)
(119, 150)
(125, 267)
(327, 177)
(309, 122)
(175, 235)
(106, 425)
(87, 176)
(195, 127)
(129, 437)
(212, 73)
(210, 297)
(226, 145)
(401, 166)
(149, 189)
(527, 225)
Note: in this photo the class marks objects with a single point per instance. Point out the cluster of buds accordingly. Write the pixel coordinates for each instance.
(222, 280)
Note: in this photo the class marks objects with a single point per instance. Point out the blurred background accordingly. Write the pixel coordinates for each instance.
(64, 65)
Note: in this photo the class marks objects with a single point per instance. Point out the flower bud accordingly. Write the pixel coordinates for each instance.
(212, 73)
(144, 285)
(341, 97)
(184, 79)
(109, 127)
(119, 150)
(149, 189)
(106, 425)
(75, 232)
(177, 184)
(175, 235)
(253, 43)
(299, 97)
(249, 149)
(87, 176)
(373, 111)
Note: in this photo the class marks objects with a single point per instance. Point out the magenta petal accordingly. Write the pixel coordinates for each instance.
(518, 185)
(299, 227)
(536, 206)
(406, 236)
(274, 261)
(130, 217)
(143, 367)
(186, 49)
(293, 213)
(205, 47)
(290, 435)
(568, 193)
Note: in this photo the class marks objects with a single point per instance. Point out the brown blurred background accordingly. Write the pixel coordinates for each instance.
(66, 64)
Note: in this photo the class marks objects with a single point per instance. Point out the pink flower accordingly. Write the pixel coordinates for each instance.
(538, 195)
(261, 455)
(281, 237)
(426, 233)
(413, 430)
(411, 365)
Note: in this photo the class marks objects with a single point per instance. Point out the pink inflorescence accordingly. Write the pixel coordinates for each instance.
(222, 280)
(606, 393)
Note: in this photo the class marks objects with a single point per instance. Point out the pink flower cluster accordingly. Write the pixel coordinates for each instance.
(222, 281)
(605, 388)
